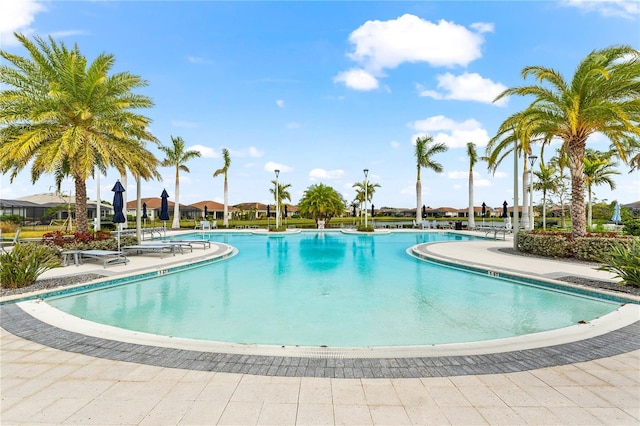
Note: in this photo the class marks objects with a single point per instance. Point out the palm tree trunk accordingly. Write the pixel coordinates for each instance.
(418, 200)
(82, 223)
(471, 223)
(576, 168)
(525, 195)
(226, 203)
(176, 206)
(544, 210)
(589, 209)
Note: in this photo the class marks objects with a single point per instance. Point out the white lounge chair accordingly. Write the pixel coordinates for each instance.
(12, 242)
(107, 257)
(153, 248)
(205, 225)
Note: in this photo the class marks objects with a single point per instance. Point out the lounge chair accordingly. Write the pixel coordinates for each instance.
(11, 242)
(214, 224)
(153, 248)
(180, 245)
(205, 243)
(107, 257)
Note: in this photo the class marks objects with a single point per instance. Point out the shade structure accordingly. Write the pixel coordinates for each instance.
(484, 209)
(504, 210)
(424, 211)
(206, 212)
(118, 205)
(144, 211)
(616, 214)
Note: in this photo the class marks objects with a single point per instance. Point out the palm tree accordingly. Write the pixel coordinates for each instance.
(603, 96)
(321, 202)
(363, 188)
(473, 159)
(176, 156)
(561, 162)
(283, 193)
(65, 116)
(547, 182)
(424, 153)
(224, 171)
(598, 169)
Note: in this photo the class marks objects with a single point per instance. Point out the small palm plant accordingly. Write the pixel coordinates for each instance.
(624, 261)
(21, 266)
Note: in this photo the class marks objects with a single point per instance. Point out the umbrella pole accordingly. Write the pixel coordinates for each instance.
(119, 229)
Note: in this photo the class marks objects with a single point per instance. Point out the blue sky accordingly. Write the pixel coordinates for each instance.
(323, 90)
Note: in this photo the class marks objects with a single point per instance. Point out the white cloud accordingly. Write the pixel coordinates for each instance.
(467, 87)
(395, 144)
(205, 151)
(500, 175)
(67, 33)
(617, 8)
(17, 16)
(481, 183)
(252, 152)
(482, 27)
(280, 103)
(319, 174)
(387, 44)
(457, 174)
(452, 133)
(293, 125)
(271, 166)
(357, 79)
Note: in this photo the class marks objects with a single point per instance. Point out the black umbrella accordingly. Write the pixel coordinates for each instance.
(484, 209)
(286, 212)
(372, 210)
(164, 209)
(206, 212)
(268, 210)
(424, 211)
(354, 211)
(144, 211)
(118, 206)
(504, 209)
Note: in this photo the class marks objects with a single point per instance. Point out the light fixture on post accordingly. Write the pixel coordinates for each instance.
(277, 203)
(366, 173)
(532, 160)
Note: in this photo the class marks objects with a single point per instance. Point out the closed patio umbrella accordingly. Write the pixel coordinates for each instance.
(616, 214)
(164, 209)
(484, 212)
(206, 212)
(424, 211)
(144, 213)
(504, 209)
(372, 210)
(118, 205)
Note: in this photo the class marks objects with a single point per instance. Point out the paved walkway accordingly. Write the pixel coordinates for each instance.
(43, 385)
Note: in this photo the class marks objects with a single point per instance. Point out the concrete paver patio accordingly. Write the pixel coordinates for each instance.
(43, 385)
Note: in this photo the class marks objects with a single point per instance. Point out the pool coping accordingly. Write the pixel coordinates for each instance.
(607, 338)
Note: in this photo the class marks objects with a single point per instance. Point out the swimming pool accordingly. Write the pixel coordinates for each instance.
(333, 289)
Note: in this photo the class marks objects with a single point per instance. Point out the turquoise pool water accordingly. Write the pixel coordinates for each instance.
(332, 289)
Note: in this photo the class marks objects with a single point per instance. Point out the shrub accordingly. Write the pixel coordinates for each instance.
(632, 227)
(21, 266)
(624, 261)
(552, 244)
(362, 228)
(11, 218)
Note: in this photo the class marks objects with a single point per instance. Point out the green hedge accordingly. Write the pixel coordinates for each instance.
(591, 248)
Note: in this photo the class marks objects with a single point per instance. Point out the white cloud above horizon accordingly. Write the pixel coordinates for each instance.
(607, 8)
(280, 103)
(205, 151)
(382, 45)
(251, 152)
(319, 174)
(17, 16)
(272, 166)
(466, 87)
(450, 132)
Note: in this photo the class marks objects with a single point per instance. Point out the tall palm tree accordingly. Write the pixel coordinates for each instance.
(598, 170)
(360, 193)
(321, 202)
(223, 171)
(424, 152)
(547, 182)
(603, 96)
(62, 114)
(282, 193)
(473, 159)
(176, 156)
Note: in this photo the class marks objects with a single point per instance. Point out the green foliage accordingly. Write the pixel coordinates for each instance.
(11, 218)
(101, 240)
(548, 245)
(632, 227)
(281, 228)
(362, 228)
(21, 266)
(321, 202)
(624, 261)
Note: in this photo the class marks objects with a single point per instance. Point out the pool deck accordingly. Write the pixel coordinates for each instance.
(60, 381)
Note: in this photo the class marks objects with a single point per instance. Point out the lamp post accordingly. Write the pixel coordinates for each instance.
(277, 201)
(366, 172)
(532, 160)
